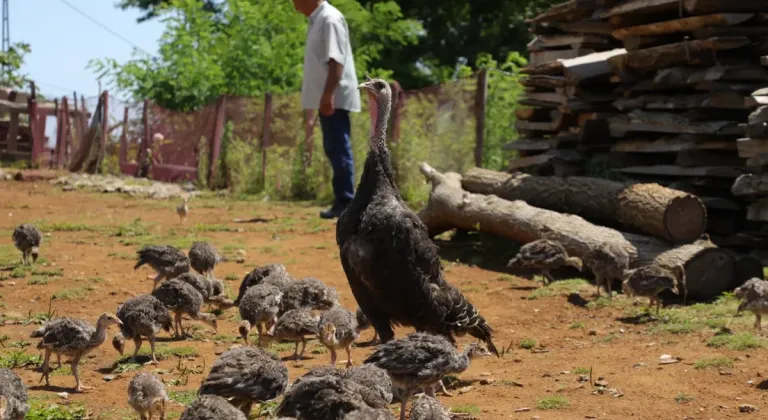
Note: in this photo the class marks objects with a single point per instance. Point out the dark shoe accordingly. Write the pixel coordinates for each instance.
(333, 212)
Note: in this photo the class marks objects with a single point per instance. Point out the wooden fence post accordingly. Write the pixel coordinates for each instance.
(481, 97)
(104, 130)
(60, 135)
(265, 127)
(218, 132)
(37, 143)
(124, 138)
(146, 141)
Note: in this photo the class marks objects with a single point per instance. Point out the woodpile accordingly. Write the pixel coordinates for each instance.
(668, 92)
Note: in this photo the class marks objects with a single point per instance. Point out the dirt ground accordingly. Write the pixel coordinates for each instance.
(87, 259)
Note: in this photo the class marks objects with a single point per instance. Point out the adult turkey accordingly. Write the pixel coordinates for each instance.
(390, 261)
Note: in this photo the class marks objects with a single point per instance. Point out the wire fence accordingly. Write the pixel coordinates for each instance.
(270, 145)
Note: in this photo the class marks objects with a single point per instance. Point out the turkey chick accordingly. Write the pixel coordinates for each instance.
(141, 316)
(543, 255)
(294, 325)
(608, 262)
(181, 298)
(167, 261)
(147, 396)
(650, 280)
(338, 330)
(27, 239)
(260, 305)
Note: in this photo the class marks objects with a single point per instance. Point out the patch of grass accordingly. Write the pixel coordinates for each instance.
(318, 349)
(701, 316)
(466, 409)
(738, 342)
(66, 227)
(558, 288)
(269, 250)
(683, 398)
(183, 397)
(552, 402)
(17, 359)
(267, 409)
(200, 227)
(607, 339)
(527, 344)
(96, 279)
(577, 325)
(64, 370)
(54, 272)
(46, 411)
(19, 272)
(37, 280)
(581, 370)
(713, 362)
(74, 293)
(126, 367)
(231, 277)
(281, 347)
(162, 351)
(132, 229)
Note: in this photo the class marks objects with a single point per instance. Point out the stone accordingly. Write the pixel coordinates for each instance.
(487, 381)
(108, 378)
(747, 408)
(522, 410)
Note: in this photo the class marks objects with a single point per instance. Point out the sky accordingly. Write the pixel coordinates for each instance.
(63, 41)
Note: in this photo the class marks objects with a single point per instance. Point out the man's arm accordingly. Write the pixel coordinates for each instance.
(335, 41)
(331, 83)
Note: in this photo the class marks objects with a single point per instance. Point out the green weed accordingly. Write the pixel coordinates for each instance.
(552, 402)
(527, 344)
(739, 342)
(714, 362)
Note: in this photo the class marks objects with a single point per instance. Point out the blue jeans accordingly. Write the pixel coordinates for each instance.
(338, 147)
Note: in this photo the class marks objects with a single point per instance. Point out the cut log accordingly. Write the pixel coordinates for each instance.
(750, 31)
(750, 147)
(664, 122)
(723, 99)
(670, 214)
(544, 42)
(709, 270)
(687, 24)
(694, 52)
(577, 69)
(679, 171)
(758, 211)
(750, 185)
(673, 144)
(547, 82)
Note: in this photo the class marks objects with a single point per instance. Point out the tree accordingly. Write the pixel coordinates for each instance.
(14, 60)
(456, 32)
(153, 8)
(248, 48)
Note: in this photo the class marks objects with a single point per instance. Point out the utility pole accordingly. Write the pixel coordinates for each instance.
(6, 34)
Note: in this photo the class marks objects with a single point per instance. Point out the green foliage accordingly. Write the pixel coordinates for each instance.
(739, 342)
(44, 411)
(683, 398)
(246, 49)
(714, 362)
(14, 58)
(504, 89)
(553, 402)
(527, 344)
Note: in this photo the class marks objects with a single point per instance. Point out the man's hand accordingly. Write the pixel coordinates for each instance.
(326, 105)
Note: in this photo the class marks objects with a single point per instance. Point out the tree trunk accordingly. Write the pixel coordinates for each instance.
(673, 215)
(709, 270)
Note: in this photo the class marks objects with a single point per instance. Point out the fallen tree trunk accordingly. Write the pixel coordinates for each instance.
(709, 270)
(674, 215)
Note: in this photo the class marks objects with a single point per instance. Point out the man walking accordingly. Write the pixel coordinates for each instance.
(330, 85)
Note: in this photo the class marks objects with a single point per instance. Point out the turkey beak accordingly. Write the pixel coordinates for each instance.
(366, 85)
(119, 322)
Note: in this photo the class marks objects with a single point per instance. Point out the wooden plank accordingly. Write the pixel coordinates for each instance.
(568, 12)
(664, 122)
(545, 56)
(750, 31)
(577, 69)
(749, 147)
(673, 144)
(551, 97)
(641, 6)
(529, 145)
(481, 98)
(759, 160)
(547, 82)
(693, 52)
(675, 171)
(544, 42)
(709, 85)
(586, 26)
(701, 7)
(687, 24)
(749, 185)
(688, 158)
(528, 161)
(722, 99)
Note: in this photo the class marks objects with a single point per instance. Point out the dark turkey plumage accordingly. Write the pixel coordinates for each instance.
(167, 261)
(13, 396)
(420, 360)
(211, 407)
(543, 255)
(203, 258)
(74, 338)
(390, 261)
(27, 239)
(608, 262)
(308, 293)
(259, 307)
(246, 375)
(650, 280)
(142, 316)
(754, 296)
(274, 274)
(322, 398)
(181, 298)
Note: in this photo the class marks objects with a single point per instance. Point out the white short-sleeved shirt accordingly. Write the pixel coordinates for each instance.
(328, 38)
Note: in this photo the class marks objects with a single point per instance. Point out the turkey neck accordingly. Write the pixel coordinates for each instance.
(100, 334)
(377, 166)
(378, 144)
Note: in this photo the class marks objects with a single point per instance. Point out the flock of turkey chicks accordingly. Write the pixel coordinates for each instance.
(282, 309)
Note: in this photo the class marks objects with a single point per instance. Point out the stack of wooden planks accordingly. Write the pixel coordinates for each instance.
(669, 91)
